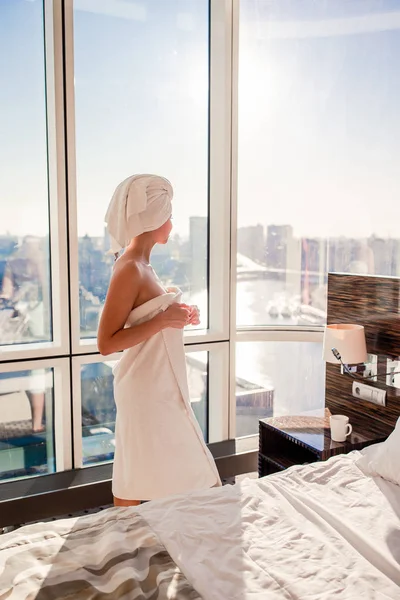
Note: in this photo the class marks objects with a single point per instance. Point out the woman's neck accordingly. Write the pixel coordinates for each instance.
(141, 248)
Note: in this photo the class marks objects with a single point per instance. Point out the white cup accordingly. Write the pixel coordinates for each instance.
(340, 428)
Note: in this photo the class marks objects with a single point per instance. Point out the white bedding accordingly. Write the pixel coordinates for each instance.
(314, 532)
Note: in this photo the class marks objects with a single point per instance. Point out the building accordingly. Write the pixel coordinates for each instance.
(251, 242)
(276, 249)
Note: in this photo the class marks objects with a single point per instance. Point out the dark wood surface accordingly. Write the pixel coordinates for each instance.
(291, 440)
(375, 303)
(370, 301)
(314, 433)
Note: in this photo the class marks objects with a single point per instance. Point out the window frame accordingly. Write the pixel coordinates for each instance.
(61, 410)
(57, 205)
(265, 333)
(67, 352)
(218, 408)
(76, 364)
(219, 180)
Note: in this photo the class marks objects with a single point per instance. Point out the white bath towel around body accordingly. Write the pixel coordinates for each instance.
(160, 450)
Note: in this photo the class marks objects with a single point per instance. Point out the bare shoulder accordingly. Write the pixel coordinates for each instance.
(127, 272)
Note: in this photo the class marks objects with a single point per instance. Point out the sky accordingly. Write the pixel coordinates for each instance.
(319, 124)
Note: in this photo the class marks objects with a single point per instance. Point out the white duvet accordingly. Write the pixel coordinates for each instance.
(315, 532)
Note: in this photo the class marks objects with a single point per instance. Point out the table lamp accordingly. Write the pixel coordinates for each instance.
(344, 343)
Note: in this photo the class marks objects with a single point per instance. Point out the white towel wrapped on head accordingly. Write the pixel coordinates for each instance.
(140, 203)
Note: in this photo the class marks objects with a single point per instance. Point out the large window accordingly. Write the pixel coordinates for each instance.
(318, 153)
(93, 92)
(276, 122)
(25, 308)
(318, 131)
(141, 106)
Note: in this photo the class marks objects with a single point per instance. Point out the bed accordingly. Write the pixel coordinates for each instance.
(314, 532)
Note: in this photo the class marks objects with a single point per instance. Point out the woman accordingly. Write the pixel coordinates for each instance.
(159, 448)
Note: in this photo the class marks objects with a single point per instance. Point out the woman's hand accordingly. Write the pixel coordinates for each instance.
(176, 316)
(194, 314)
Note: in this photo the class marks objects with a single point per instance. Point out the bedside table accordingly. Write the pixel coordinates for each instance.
(296, 440)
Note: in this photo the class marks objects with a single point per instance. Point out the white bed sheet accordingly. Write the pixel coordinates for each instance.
(315, 532)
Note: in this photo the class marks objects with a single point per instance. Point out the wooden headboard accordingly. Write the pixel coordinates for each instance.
(375, 303)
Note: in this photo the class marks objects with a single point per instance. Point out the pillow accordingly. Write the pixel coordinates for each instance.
(383, 460)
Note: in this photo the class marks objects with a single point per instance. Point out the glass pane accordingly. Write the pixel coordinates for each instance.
(197, 370)
(142, 116)
(319, 131)
(25, 314)
(98, 412)
(26, 423)
(98, 407)
(275, 379)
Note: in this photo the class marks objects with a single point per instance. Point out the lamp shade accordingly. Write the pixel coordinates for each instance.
(349, 341)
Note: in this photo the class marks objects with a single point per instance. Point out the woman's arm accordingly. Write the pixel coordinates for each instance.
(112, 335)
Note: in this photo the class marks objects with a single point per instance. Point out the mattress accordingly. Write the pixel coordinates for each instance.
(319, 531)
(314, 532)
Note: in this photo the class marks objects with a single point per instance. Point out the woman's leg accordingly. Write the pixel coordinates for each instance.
(36, 400)
(120, 502)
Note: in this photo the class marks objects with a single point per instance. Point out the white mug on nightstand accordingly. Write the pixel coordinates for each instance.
(340, 428)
